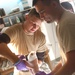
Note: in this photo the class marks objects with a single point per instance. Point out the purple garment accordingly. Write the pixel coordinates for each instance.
(20, 65)
(42, 73)
(22, 57)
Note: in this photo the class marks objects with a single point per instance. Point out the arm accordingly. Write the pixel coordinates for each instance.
(6, 52)
(67, 37)
(44, 56)
(32, 58)
(40, 56)
(69, 67)
(43, 48)
(47, 60)
(57, 67)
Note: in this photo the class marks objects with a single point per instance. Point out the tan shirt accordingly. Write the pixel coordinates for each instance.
(66, 32)
(23, 43)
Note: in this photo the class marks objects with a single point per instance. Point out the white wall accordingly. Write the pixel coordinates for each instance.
(30, 2)
(50, 32)
(8, 5)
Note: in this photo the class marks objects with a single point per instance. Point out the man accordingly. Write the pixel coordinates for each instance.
(50, 11)
(26, 37)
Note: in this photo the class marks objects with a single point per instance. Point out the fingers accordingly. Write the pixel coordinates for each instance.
(28, 64)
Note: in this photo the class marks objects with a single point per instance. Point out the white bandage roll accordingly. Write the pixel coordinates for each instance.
(32, 56)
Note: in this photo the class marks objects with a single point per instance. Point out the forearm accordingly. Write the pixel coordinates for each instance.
(5, 51)
(62, 71)
(48, 61)
(56, 71)
(69, 67)
(66, 70)
(57, 68)
(36, 68)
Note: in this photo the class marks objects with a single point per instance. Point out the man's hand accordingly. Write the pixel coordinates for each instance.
(20, 65)
(42, 73)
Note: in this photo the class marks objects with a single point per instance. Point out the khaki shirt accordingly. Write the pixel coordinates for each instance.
(21, 43)
(66, 32)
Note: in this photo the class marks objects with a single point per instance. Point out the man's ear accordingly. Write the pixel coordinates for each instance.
(54, 4)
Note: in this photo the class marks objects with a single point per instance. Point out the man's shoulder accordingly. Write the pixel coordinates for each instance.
(40, 33)
(14, 27)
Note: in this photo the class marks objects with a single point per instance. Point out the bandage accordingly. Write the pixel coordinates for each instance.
(32, 56)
